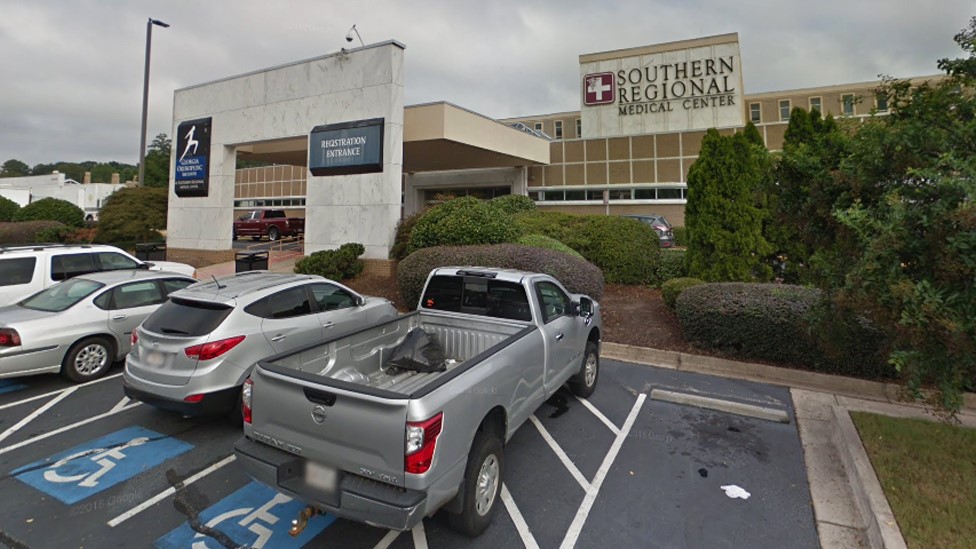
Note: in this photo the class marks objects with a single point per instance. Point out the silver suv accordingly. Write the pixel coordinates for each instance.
(193, 354)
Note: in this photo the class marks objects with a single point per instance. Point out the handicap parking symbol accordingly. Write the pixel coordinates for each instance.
(254, 516)
(99, 464)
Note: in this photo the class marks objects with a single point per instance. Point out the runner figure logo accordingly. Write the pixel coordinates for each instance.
(599, 88)
(190, 142)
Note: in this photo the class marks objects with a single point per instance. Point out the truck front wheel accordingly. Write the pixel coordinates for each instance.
(584, 383)
(482, 484)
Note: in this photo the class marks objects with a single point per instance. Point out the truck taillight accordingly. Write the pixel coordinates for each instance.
(9, 337)
(213, 349)
(246, 400)
(421, 440)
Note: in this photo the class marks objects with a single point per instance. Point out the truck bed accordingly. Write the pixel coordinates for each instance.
(363, 354)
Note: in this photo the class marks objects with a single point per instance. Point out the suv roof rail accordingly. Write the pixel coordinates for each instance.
(40, 247)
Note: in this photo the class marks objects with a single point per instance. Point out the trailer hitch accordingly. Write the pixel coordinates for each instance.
(298, 525)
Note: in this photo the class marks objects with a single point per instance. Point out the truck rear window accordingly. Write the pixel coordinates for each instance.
(477, 295)
(271, 214)
(187, 317)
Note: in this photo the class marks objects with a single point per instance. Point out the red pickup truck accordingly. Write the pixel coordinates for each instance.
(273, 223)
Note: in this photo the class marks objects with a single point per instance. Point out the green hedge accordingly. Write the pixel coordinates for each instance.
(774, 322)
(513, 203)
(340, 264)
(673, 287)
(52, 209)
(626, 250)
(27, 232)
(133, 214)
(680, 236)
(672, 265)
(8, 208)
(463, 221)
(542, 241)
(401, 241)
(577, 275)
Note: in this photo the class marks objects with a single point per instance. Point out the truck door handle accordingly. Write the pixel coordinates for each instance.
(279, 337)
(560, 336)
(119, 317)
(327, 324)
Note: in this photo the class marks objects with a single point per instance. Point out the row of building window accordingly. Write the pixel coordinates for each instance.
(847, 102)
(613, 193)
(269, 203)
(558, 128)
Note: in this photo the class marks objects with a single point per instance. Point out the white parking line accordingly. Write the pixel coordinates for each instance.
(388, 539)
(419, 536)
(568, 463)
(121, 404)
(574, 530)
(168, 492)
(599, 415)
(58, 392)
(33, 415)
(528, 540)
(49, 434)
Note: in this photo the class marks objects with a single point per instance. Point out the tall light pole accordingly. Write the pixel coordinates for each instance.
(145, 98)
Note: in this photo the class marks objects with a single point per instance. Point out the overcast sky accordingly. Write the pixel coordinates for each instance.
(71, 71)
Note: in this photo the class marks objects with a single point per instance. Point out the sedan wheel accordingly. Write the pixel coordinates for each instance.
(87, 360)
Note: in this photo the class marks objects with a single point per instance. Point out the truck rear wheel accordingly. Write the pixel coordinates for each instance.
(482, 484)
(584, 383)
(273, 233)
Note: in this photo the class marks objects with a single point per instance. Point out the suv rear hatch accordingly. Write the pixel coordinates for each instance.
(339, 426)
(160, 354)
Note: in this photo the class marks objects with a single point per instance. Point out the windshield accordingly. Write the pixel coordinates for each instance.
(61, 296)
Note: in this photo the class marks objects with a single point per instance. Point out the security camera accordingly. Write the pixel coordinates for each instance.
(349, 37)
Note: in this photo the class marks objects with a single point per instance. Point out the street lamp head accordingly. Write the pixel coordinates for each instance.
(158, 23)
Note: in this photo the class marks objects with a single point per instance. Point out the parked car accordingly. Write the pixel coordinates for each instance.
(24, 270)
(81, 326)
(352, 428)
(272, 223)
(193, 354)
(660, 224)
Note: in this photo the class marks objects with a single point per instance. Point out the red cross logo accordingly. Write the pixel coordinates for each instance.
(599, 88)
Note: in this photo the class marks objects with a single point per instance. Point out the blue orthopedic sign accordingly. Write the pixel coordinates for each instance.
(346, 148)
(99, 464)
(192, 176)
(254, 516)
(10, 386)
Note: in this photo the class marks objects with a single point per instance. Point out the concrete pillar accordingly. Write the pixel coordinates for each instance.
(87, 178)
(115, 179)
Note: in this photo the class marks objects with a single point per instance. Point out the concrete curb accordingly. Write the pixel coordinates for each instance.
(730, 406)
(786, 377)
(882, 528)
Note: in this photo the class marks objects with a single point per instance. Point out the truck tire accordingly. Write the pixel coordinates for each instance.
(482, 485)
(273, 234)
(584, 383)
(88, 359)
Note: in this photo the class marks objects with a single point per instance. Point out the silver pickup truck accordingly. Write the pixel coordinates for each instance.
(351, 429)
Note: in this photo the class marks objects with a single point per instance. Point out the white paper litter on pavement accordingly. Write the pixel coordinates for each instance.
(734, 491)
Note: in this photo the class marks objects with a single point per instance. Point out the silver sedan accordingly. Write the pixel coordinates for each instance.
(83, 325)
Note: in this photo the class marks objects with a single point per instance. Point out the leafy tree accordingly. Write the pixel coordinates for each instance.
(52, 209)
(157, 162)
(725, 241)
(133, 214)
(8, 208)
(14, 168)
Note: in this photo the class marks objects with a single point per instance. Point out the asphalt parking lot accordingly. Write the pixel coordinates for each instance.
(82, 466)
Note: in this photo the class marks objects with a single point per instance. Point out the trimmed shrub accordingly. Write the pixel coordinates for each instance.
(542, 241)
(625, 249)
(27, 232)
(462, 221)
(133, 214)
(513, 203)
(401, 242)
(52, 209)
(680, 236)
(672, 265)
(8, 208)
(673, 287)
(339, 264)
(577, 275)
(774, 322)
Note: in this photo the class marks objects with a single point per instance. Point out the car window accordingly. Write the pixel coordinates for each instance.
(170, 285)
(477, 295)
(331, 297)
(136, 294)
(187, 317)
(114, 261)
(284, 304)
(17, 270)
(65, 266)
(274, 214)
(62, 296)
(104, 301)
(554, 302)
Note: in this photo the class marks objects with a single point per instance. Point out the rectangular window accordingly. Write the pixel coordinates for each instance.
(579, 128)
(594, 195)
(669, 194)
(619, 194)
(576, 195)
(538, 126)
(552, 195)
(847, 104)
(645, 194)
(559, 129)
(816, 104)
(17, 270)
(881, 102)
(784, 109)
(755, 113)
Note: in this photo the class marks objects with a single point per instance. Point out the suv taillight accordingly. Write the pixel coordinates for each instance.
(213, 349)
(246, 400)
(9, 337)
(421, 440)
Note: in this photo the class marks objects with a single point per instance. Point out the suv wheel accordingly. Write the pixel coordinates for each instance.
(88, 359)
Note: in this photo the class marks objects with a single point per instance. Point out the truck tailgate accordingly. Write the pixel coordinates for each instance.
(331, 426)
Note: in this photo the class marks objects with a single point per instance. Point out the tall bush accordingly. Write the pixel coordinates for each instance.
(463, 221)
(133, 214)
(8, 208)
(52, 209)
(513, 203)
(342, 263)
(401, 240)
(542, 241)
(672, 265)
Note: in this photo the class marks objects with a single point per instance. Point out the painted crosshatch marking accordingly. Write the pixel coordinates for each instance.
(254, 516)
(97, 465)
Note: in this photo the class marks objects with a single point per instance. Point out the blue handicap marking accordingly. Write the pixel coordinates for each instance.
(7, 386)
(99, 464)
(254, 516)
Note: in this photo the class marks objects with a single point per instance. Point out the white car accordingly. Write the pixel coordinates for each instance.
(26, 270)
